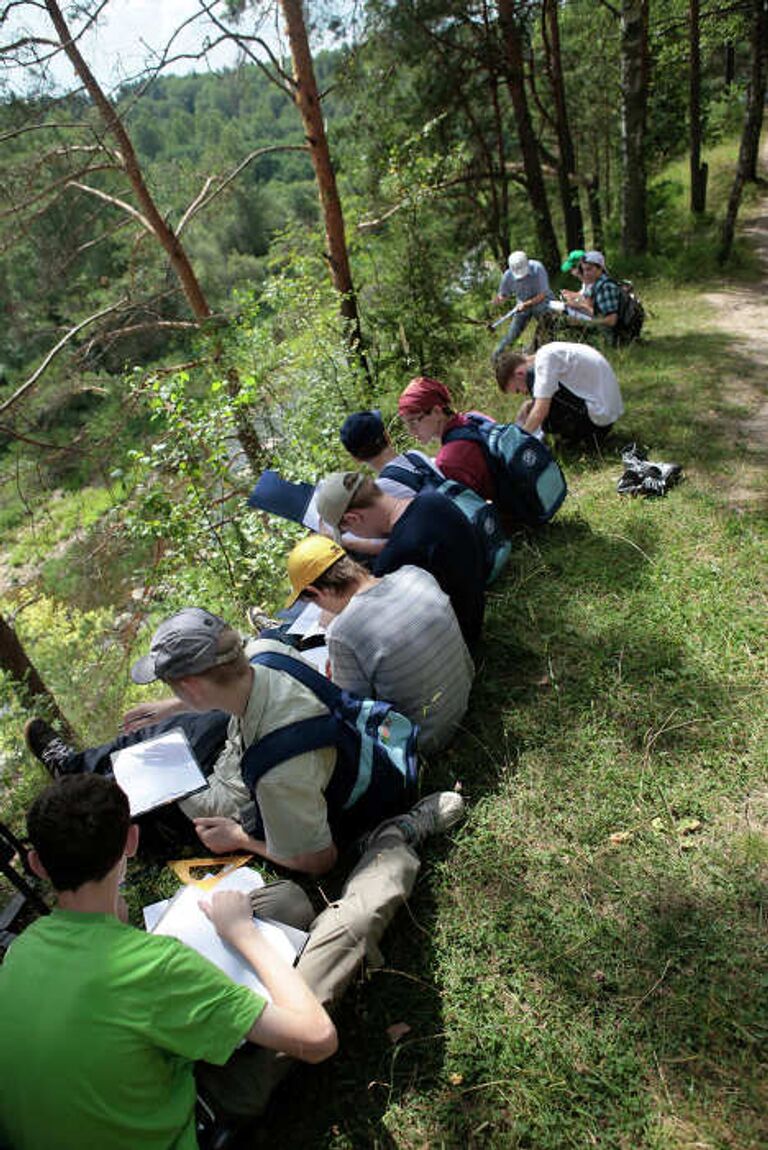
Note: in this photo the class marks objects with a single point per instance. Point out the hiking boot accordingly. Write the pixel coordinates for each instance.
(633, 456)
(429, 816)
(48, 747)
(630, 482)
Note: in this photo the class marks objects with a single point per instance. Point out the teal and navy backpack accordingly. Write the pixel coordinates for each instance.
(376, 772)
(483, 516)
(530, 486)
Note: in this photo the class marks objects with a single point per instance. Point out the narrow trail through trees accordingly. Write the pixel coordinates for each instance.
(742, 311)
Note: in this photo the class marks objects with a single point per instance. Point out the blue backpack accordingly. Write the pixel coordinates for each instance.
(530, 486)
(376, 772)
(483, 516)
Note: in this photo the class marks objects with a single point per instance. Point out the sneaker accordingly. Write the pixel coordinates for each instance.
(429, 816)
(629, 484)
(48, 747)
(259, 620)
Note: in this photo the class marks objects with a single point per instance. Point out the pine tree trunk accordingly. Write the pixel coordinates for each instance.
(566, 170)
(758, 41)
(699, 171)
(537, 193)
(176, 254)
(160, 228)
(16, 663)
(746, 167)
(307, 100)
(634, 105)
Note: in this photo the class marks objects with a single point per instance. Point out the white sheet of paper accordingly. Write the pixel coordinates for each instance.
(157, 771)
(153, 913)
(184, 920)
(307, 622)
(317, 656)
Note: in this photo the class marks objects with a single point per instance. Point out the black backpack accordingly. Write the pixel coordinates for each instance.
(481, 514)
(631, 313)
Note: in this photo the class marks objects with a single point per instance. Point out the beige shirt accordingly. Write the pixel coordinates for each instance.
(291, 795)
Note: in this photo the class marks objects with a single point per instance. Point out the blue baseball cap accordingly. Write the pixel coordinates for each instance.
(363, 433)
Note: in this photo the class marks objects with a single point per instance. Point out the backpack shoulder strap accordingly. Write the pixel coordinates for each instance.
(326, 691)
(286, 743)
(402, 475)
(472, 431)
(414, 478)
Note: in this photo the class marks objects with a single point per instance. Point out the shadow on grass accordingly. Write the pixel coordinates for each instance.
(342, 1102)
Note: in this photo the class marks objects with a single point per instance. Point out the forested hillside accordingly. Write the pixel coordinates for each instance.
(201, 275)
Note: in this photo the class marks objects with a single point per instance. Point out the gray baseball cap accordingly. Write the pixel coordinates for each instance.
(187, 643)
(333, 498)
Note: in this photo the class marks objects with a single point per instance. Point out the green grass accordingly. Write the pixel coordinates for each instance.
(584, 963)
(65, 514)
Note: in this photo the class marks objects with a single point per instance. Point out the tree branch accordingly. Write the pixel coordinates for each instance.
(60, 183)
(29, 383)
(286, 83)
(134, 213)
(202, 201)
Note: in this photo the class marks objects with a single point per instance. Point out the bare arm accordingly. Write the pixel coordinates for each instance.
(294, 1022)
(537, 414)
(222, 835)
(363, 546)
(144, 714)
(527, 304)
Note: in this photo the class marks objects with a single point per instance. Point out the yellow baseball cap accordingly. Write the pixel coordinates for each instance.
(309, 559)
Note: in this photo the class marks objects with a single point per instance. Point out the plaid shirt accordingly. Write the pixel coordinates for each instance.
(606, 294)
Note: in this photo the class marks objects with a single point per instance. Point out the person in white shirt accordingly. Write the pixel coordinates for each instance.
(573, 391)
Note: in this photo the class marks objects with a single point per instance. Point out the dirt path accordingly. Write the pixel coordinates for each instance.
(742, 311)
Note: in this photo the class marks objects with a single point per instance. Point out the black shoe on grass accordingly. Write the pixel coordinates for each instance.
(48, 747)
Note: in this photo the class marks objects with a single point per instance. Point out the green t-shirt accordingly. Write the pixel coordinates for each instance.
(99, 1027)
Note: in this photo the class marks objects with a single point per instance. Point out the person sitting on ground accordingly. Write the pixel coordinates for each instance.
(427, 531)
(203, 662)
(394, 638)
(366, 439)
(116, 1071)
(426, 409)
(575, 393)
(600, 296)
(528, 282)
(102, 1023)
(574, 300)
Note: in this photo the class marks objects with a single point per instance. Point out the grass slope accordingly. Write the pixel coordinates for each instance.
(584, 962)
(585, 965)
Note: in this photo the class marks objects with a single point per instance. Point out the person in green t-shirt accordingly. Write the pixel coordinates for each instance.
(101, 1023)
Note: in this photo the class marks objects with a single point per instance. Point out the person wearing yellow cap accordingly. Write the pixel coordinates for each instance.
(394, 638)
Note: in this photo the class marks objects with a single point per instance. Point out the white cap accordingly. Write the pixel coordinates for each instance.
(518, 265)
